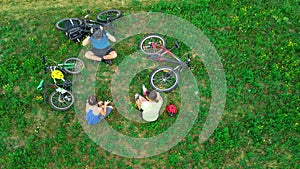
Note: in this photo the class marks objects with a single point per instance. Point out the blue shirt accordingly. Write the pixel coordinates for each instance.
(100, 43)
(91, 118)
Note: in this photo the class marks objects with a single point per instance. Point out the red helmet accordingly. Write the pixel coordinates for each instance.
(171, 109)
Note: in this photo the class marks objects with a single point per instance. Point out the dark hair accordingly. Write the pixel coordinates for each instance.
(92, 100)
(152, 95)
(97, 34)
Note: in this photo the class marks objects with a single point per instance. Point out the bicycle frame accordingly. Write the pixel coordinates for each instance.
(88, 24)
(165, 51)
(66, 65)
(60, 66)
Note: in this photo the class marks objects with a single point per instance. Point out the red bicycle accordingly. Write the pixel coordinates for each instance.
(163, 79)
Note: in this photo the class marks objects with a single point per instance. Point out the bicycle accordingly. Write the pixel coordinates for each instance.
(61, 99)
(76, 29)
(163, 79)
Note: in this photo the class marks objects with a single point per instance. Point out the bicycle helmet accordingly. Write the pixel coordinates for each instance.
(171, 109)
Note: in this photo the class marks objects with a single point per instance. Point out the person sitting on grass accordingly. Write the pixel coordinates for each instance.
(96, 110)
(149, 105)
(101, 51)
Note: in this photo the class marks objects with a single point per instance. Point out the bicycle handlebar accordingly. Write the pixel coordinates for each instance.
(44, 63)
(40, 86)
(44, 59)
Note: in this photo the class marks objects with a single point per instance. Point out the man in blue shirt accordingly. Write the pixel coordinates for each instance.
(101, 51)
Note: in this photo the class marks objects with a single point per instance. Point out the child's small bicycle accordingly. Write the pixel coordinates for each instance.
(163, 79)
(61, 99)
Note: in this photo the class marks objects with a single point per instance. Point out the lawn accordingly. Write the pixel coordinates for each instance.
(258, 47)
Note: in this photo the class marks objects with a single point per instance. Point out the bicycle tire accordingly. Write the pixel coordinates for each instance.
(59, 104)
(147, 49)
(102, 14)
(77, 68)
(45, 95)
(159, 81)
(59, 26)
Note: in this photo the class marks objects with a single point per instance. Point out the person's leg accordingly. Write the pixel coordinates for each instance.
(111, 55)
(92, 56)
(139, 101)
(108, 110)
(109, 107)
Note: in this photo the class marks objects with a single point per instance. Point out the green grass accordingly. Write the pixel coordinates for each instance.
(258, 43)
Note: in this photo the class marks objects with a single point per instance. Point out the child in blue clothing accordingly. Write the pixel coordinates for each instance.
(96, 110)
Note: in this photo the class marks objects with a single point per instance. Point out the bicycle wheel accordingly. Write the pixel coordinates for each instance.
(66, 23)
(109, 15)
(61, 102)
(73, 65)
(146, 44)
(164, 79)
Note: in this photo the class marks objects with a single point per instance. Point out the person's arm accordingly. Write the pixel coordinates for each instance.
(110, 37)
(87, 106)
(138, 104)
(102, 110)
(144, 90)
(104, 107)
(139, 101)
(86, 41)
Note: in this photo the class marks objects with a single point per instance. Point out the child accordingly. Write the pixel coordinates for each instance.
(96, 110)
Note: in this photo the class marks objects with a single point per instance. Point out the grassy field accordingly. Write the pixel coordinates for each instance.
(257, 41)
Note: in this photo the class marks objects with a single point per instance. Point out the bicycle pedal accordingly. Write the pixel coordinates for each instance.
(66, 98)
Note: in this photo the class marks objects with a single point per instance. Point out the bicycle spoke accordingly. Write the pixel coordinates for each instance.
(158, 80)
(60, 102)
(73, 65)
(162, 81)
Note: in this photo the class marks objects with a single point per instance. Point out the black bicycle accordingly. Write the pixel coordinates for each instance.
(76, 29)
